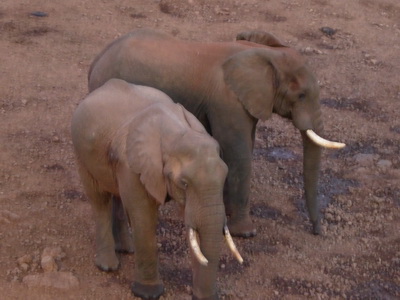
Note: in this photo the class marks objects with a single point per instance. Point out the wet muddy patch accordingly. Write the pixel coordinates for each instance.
(274, 154)
(333, 184)
(354, 148)
(387, 149)
(367, 108)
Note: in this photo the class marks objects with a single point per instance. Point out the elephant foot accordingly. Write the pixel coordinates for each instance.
(213, 297)
(107, 262)
(241, 227)
(124, 244)
(147, 291)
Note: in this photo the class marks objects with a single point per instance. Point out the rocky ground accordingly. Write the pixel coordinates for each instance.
(46, 226)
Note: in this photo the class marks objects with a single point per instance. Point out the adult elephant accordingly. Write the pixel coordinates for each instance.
(228, 86)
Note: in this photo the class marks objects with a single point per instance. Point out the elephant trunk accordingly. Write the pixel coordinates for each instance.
(210, 222)
(311, 166)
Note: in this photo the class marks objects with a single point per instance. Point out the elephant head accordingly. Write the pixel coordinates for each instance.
(185, 165)
(276, 79)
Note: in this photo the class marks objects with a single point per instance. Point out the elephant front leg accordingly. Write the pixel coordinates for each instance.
(236, 197)
(142, 212)
(147, 283)
(236, 138)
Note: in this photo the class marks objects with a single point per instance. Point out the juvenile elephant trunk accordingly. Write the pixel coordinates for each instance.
(311, 167)
(211, 220)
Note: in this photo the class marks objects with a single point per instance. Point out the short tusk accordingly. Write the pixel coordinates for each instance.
(232, 245)
(196, 248)
(323, 142)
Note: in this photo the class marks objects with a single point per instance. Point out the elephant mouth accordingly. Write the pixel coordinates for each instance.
(194, 245)
(320, 141)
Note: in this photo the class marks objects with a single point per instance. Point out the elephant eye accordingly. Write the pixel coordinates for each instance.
(302, 97)
(183, 183)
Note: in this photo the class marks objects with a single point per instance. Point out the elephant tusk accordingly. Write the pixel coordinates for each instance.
(232, 245)
(323, 142)
(196, 248)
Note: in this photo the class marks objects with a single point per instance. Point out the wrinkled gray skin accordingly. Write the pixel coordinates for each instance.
(133, 143)
(228, 86)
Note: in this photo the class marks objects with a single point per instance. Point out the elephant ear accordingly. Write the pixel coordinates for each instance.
(143, 149)
(260, 37)
(251, 75)
(193, 122)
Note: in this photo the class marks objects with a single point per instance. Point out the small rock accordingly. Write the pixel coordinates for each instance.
(309, 50)
(374, 61)
(328, 31)
(48, 264)
(26, 259)
(24, 267)
(60, 280)
(55, 252)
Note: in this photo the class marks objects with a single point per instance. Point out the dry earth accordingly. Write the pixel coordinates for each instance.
(46, 227)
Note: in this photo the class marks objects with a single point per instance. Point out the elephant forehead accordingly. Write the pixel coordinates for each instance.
(195, 142)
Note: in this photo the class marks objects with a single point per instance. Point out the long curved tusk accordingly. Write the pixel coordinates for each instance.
(323, 142)
(196, 248)
(232, 245)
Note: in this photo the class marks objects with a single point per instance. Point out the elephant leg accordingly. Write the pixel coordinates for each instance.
(236, 198)
(106, 259)
(142, 212)
(236, 138)
(121, 229)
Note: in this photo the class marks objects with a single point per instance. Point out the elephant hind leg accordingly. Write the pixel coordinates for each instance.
(100, 200)
(121, 227)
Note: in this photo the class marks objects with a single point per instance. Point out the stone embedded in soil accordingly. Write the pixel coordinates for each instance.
(48, 264)
(55, 252)
(26, 259)
(59, 280)
(49, 257)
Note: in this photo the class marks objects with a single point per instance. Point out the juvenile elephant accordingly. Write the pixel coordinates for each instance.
(228, 86)
(134, 144)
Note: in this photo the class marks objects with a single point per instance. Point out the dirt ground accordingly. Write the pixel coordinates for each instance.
(43, 69)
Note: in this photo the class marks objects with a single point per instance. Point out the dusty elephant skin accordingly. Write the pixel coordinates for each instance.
(134, 143)
(228, 86)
